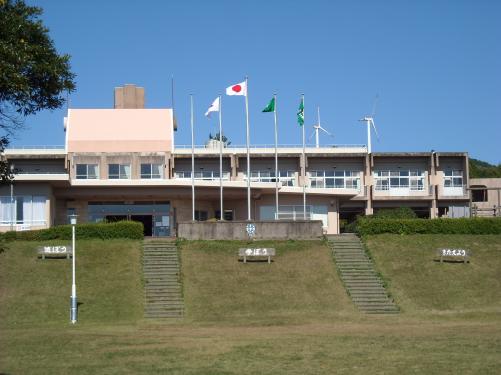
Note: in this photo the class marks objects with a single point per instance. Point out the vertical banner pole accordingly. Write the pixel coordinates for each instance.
(276, 157)
(192, 161)
(304, 166)
(221, 212)
(248, 149)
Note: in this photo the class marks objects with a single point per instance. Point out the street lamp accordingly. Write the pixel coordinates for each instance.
(73, 308)
(12, 198)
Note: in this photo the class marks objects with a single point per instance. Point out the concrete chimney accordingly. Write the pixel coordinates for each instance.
(129, 96)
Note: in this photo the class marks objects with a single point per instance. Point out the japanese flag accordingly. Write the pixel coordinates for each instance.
(238, 89)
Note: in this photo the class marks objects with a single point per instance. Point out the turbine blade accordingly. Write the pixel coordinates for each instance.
(375, 130)
(325, 131)
(374, 105)
(311, 135)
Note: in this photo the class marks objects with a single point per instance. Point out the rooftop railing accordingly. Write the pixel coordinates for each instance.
(269, 146)
(35, 147)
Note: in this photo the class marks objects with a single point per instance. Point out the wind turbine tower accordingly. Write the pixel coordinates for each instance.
(316, 128)
(369, 120)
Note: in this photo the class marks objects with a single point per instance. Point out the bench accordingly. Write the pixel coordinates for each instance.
(256, 253)
(454, 254)
(55, 251)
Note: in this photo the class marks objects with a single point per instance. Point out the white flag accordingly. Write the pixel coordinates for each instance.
(238, 89)
(214, 107)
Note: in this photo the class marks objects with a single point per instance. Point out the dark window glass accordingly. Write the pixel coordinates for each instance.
(113, 171)
(82, 171)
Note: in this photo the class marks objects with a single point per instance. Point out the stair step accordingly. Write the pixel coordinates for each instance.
(361, 281)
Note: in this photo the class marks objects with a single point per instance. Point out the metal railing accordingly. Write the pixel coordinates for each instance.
(36, 147)
(330, 183)
(270, 146)
(201, 176)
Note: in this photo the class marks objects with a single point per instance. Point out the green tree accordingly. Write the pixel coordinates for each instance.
(33, 76)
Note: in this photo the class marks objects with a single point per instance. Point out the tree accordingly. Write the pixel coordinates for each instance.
(218, 137)
(33, 76)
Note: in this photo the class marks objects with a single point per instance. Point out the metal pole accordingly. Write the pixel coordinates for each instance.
(304, 166)
(11, 206)
(221, 214)
(276, 156)
(74, 310)
(192, 161)
(248, 148)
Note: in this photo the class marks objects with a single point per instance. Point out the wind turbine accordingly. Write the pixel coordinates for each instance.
(369, 120)
(316, 129)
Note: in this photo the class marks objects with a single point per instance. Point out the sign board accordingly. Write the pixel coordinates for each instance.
(453, 253)
(55, 251)
(259, 252)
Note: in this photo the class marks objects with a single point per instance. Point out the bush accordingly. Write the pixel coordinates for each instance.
(367, 226)
(395, 213)
(121, 229)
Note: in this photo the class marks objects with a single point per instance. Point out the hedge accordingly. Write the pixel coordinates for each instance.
(122, 229)
(368, 225)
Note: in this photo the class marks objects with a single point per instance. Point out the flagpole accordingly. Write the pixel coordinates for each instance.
(221, 215)
(192, 161)
(248, 148)
(304, 166)
(276, 157)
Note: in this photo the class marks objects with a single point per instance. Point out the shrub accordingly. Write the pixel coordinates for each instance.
(366, 226)
(104, 231)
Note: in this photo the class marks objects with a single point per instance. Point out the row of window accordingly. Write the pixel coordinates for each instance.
(22, 210)
(413, 179)
(118, 171)
(335, 179)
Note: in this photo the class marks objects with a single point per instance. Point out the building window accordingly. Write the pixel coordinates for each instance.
(453, 178)
(151, 171)
(119, 171)
(201, 175)
(335, 179)
(22, 210)
(201, 215)
(408, 179)
(228, 215)
(479, 193)
(87, 172)
(287, 178)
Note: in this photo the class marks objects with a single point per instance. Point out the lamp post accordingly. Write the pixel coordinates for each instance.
(12, 198)
(73, 308)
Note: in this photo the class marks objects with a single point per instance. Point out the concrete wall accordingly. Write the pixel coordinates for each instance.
(236, 230)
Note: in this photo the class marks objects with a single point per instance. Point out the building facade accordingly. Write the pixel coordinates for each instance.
(122, 163)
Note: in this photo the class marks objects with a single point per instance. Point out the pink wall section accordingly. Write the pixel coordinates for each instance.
(119, 130)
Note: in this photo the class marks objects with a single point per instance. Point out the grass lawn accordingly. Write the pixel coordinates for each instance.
(420, 284)
(290, 317)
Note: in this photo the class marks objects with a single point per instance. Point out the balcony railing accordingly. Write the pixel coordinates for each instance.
(201, 176)
(335, 183)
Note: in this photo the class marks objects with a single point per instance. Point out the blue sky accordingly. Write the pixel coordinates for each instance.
(436, 66)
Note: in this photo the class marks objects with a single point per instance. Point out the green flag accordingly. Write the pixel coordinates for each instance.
(300, 113)
(271, 106)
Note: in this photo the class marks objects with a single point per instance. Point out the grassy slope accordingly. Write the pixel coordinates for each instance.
(300, 285)
(36, 291)
(420, 284)
(233, 326)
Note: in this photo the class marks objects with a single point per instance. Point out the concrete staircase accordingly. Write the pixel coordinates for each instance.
(162, 282)
(359, 277)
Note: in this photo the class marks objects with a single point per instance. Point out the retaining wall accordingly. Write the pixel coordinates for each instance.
(236, 230)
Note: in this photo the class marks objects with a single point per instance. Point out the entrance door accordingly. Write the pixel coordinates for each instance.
(147, 221)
